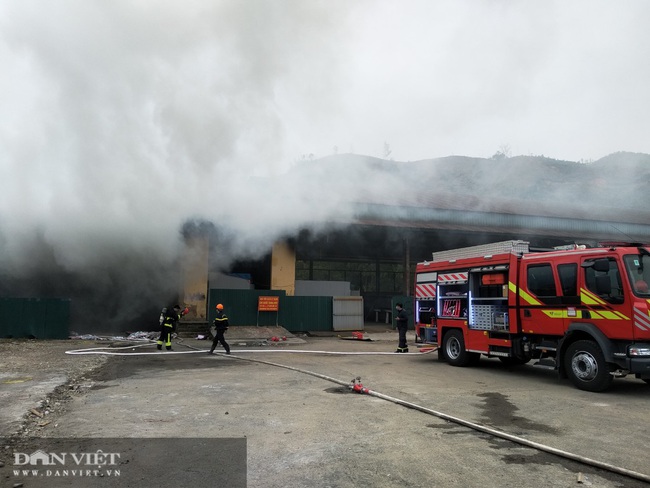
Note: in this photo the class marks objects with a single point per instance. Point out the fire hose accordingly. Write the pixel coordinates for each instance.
(110, 351)
(356, 386)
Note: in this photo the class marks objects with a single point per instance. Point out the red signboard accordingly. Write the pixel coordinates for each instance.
(268, 304)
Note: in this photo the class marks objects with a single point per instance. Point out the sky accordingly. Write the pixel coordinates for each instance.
(121, 120)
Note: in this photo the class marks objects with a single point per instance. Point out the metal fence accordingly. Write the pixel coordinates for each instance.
(296, 314)
(34, 318)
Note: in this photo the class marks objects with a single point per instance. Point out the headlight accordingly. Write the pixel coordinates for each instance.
(640, 350)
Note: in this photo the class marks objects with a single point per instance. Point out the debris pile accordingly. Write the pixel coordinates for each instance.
(133, 336)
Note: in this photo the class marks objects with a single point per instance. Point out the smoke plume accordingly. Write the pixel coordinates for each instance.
(123, 121)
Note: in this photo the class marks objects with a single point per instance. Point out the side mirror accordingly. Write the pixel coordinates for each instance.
(601, 265)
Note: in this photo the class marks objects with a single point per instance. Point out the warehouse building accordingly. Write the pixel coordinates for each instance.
(371, 254)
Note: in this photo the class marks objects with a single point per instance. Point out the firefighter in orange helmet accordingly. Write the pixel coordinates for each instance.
(221, 325)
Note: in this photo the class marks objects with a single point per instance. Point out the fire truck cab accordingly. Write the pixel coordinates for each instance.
(581, 311)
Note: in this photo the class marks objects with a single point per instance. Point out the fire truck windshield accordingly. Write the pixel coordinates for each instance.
(638, 271)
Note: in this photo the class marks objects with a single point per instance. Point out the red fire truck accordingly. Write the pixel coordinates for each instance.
(582, 311)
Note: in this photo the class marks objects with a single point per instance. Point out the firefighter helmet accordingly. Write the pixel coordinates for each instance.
(219, 306)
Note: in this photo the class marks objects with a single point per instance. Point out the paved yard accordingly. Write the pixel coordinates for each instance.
(305, 429)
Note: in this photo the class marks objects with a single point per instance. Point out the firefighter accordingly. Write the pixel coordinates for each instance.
(221, 325)
(641, 286)
(168, 326)
(402, 323)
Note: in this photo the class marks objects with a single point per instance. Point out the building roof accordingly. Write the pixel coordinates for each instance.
(532, 195)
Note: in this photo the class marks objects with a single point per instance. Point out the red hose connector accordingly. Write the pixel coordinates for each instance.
(356, 385)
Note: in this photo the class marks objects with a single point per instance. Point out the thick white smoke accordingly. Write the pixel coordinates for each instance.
(127, 118)
(123, 120)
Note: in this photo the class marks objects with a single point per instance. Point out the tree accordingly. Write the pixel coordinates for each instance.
(502, 153)
(387, 150)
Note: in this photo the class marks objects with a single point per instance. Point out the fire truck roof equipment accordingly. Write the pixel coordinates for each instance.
(514, 247)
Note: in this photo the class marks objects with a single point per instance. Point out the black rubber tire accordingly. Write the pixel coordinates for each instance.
(454, 350)
(585, 365)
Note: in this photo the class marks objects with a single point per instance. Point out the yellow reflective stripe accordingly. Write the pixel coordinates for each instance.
(615, 315)
(607, 315)
(560, 314)
(602, 314)
(586, 297)
(589, 298)
(528, 298)
(610, 315)
(555, 314)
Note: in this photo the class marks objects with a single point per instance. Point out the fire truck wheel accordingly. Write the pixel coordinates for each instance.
(454, 349)
(585, 365)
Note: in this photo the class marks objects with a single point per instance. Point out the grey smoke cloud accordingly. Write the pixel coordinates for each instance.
(123, 120)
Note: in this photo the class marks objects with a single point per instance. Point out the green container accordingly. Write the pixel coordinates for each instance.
(296, 314)
(35, 318)
(241, 306)
(305, 314)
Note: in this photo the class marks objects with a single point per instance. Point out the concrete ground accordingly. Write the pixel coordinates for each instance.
(304, 426)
